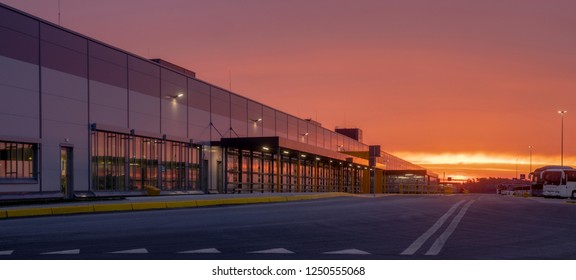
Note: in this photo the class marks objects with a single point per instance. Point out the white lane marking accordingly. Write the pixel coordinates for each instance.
(202, 251)
(422, 239)
(441, 240)
(6, 253)
(133, 251)
(348, 252)
(273, 251)
(66, 252)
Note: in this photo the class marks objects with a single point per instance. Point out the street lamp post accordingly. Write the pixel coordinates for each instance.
(530, 147)
(562, 113)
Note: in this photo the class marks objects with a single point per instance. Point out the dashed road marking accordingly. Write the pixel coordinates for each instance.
(348, 252)
(133, 251)
(202, 251)
(65, 252)
(6, 253)
(273, 251)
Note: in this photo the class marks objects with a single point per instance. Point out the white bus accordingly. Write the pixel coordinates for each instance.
(559, 182)
(537, 179)
(514, 189)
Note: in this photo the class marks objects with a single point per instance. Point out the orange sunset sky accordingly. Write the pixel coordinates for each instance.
(460, 87)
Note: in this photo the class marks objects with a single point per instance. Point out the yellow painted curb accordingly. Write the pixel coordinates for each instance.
(298, 197)
(72, 209)
(209, 202)
(181, 204)
(28, 212)
(148, 205)
(235, 201)
(277, 199)
(3, 214)
(258, 200)
(112, 207)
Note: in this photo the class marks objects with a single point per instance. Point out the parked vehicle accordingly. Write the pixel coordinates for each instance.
(559, 182)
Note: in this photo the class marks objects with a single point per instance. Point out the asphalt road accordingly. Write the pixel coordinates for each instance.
(409, 227)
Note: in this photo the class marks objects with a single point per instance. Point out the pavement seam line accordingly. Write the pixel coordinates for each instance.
(424, 237)
(441, 240)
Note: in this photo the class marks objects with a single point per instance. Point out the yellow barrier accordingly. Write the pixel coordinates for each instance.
(152, 191)
(3, 214)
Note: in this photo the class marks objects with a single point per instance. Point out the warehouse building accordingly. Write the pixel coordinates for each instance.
(79, 117)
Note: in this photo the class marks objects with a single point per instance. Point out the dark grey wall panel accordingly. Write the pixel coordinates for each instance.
(108, 54)
(64, 60)
(220, 102)
(198, 95)
(108, 73)
(18, 46)
(238, 108)
(63, 38)
(18, 22)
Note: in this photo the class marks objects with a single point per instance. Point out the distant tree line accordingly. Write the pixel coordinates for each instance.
(488, 185)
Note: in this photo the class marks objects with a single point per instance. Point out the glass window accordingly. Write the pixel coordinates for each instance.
(570, 176)
(552, 177)
(122, 162)
(17, 161)
(108, 161)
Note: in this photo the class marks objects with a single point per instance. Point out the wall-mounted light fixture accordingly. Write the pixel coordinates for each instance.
(304, 134)
(256, 120)
(174, 96)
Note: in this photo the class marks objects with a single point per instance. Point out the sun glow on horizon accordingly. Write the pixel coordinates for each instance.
(463, 166)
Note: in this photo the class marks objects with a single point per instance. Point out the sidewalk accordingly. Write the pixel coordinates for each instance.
(154, 202)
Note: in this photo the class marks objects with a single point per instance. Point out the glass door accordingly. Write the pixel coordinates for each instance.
(66, 179)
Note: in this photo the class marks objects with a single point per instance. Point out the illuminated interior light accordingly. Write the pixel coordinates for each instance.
(265, 148)
(317, 158)
(303, 155)
(286, 152)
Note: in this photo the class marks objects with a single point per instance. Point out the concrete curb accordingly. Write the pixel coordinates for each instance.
(155, 205)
